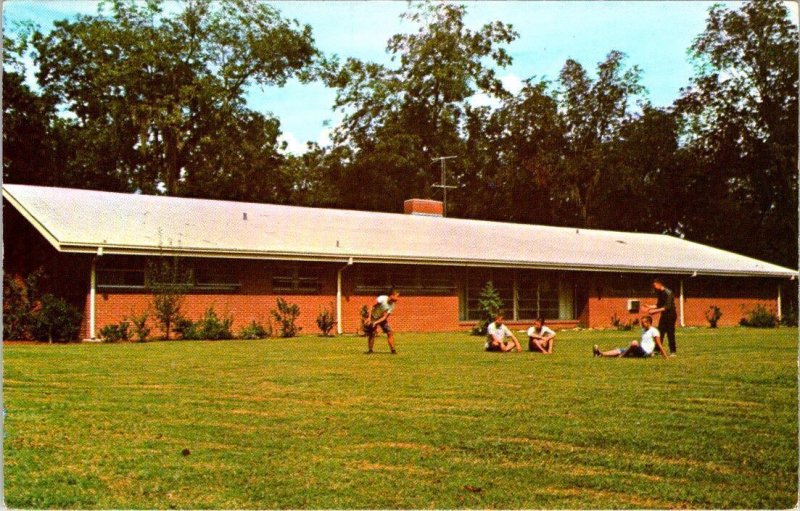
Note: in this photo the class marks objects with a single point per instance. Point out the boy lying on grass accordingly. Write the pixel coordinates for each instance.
(651, 339)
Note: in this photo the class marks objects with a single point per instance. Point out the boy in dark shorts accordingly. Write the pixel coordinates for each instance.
(651, 339)
(379, 318)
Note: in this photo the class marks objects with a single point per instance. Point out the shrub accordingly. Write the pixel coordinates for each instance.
(490, 305)
(363, 316)
(789, 318)
(169, 282)
(115, 333)
(209, 327)
(712, 316)
(285, 316)
(140, 328)
(20, 301)
(759, 317)
(325, 322)
(56, 320)
(623, 326)
(255, 330)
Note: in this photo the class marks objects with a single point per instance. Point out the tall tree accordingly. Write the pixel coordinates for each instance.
(742, 111)
(155, 95)
(398, 119)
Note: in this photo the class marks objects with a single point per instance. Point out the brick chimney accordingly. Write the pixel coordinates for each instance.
(425, 207)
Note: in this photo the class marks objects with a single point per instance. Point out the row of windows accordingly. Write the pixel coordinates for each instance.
(525, 295)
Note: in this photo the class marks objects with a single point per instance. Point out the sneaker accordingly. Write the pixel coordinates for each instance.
(368, 352)
(394, 352)
(673, 354)
(595, 351)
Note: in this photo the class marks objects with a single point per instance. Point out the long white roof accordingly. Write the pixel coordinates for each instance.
(84, 221)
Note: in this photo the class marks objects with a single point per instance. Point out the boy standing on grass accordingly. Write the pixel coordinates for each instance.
(666, 307)
(644, 348)
(540, 337)
(379, 318)
(497, 333)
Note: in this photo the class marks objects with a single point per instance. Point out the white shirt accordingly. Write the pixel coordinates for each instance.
(648, 342)
(544, 332)
(386, 305)
(498, 333)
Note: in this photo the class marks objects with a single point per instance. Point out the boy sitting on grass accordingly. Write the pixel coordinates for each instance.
(651, 339)
(540, 337)
(497, 332)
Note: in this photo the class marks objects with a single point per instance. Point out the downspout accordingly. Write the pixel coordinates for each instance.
(683, 323)
(780, 312)
(92, 295)
(339, 296)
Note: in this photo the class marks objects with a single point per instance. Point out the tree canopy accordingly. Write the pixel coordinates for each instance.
(138, 97)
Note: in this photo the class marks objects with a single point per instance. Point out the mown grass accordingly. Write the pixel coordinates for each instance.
(314, 423)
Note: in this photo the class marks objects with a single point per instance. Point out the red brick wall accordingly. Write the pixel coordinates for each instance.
(255, 300)
(734, 296)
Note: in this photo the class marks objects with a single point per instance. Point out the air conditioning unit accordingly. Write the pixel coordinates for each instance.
(633, 306)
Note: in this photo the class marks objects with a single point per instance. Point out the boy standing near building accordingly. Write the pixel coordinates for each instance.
(379, 318)
(665, 306)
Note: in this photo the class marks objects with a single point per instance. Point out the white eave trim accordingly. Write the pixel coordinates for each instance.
(34, 222)
(343, 258)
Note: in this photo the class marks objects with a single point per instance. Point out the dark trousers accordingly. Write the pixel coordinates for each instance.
(666, 326)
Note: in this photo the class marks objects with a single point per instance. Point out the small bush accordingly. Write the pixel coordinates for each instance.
(140, 328)
(363, 316)
(712, 316)
(210, 327)
(490, 305)
(789, 318)
(286, 315)
(255, 330)
(759, 317)
(21, 300)
(115, 333)
(56, 320)
(325, 322)
(623, 326)
(185, 328)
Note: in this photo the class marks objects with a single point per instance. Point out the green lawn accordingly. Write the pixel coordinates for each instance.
(315, 423)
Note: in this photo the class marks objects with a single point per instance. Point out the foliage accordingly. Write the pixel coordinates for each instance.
(210, 327)
(623, 326)
(759, 317)
(490, 305)
(255, 330)
(741, 111)
(56, 320)
(247, 387)
(363, 315)
(168, 281)
(285, 316)
(712, 316)
(325, 322)
(139, 325)
(115, 332)
(21, 301)
(159, 96)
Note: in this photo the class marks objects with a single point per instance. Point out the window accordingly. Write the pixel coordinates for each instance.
(536, 295)
(120, 279)
(216, 279)
(408, 280)
(294, 279)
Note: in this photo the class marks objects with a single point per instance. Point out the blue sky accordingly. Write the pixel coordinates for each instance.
(654, 34)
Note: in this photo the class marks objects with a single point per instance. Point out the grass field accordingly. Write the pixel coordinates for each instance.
(318, 424)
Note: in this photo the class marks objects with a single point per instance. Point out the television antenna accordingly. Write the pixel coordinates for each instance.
(443, 185)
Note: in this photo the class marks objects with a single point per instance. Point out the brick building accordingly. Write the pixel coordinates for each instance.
(240, 257)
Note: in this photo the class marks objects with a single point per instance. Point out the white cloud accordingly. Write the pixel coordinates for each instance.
(293, 146)
(324, 137)
(512, 83)
(793, 11)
